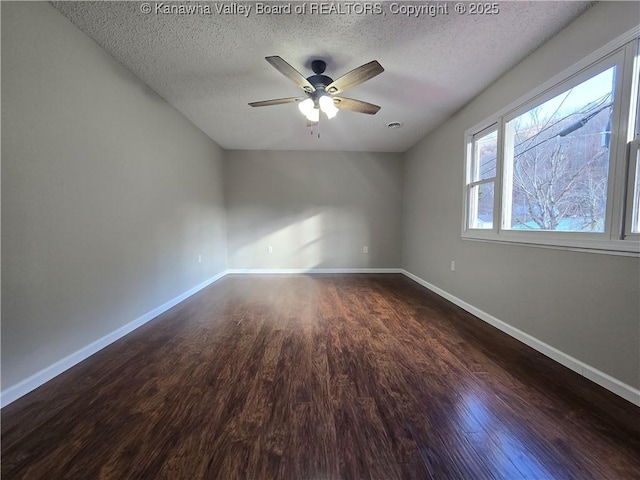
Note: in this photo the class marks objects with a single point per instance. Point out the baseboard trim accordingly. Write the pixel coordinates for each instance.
(604, 380)
(612, 384)
(20, 389)
(282, 271)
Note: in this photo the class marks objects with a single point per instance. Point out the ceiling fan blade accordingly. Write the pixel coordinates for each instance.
(276, 101)
(355, 77)
(291, 73)
(355, 105)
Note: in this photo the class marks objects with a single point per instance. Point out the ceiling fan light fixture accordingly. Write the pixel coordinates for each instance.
(313, 115)
(306, 106)
(328, 106)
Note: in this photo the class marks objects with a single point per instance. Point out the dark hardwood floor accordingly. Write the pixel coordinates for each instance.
(319, 377)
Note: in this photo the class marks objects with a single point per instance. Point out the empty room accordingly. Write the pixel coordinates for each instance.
(320, 240)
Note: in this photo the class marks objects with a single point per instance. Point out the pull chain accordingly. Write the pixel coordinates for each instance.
(310, 126)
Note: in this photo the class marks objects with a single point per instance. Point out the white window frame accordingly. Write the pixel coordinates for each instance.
(633, 152)
(634, 160)
(616, 238)
(470, 183)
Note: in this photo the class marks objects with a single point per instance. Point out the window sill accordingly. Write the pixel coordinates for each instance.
(626, 248)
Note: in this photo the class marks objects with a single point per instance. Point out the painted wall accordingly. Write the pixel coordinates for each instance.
(315, 209)
(108, 194)
(586, 305)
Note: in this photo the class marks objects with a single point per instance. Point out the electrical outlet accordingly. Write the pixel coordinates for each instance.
(270, 249)
(453, 265)
(365, 249)
(200, 258)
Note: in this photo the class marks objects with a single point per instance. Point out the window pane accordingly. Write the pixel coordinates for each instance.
(558, 158)
(637, 68)
(481, 206)
(635, 224)
(485, 156)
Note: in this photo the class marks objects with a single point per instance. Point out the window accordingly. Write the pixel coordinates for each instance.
(557, 169)
(634, 190)
(482, 176)
(632, 227)
(557, 159)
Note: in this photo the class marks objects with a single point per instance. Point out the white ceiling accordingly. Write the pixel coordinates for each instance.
(210, 66)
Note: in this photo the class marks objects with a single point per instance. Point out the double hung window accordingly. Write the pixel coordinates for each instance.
(563, 167)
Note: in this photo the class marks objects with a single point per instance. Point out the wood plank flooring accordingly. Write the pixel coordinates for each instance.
(319, 377)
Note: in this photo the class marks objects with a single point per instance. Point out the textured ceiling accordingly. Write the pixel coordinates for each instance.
(210, 66)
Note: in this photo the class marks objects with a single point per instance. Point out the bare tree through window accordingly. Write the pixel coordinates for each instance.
(560, 160)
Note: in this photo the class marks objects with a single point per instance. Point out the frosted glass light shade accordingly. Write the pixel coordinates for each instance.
(314, 115)
(306, 106)
(327, 106)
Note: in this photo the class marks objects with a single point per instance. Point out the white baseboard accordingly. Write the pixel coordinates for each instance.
(34, 381)
(280, 271)
(612, 384)
(604, 380)
(20, 389)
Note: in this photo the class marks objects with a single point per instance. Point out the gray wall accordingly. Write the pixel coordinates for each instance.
(108, 194)
(316, 209)
(586, 305)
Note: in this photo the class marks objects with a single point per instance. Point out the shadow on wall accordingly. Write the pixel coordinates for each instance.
(318, 239)
(313, 209)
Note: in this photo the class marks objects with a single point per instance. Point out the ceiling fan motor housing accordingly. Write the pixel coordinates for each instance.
(319, 81)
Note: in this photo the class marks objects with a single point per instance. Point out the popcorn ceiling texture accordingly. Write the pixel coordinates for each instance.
(210, 66)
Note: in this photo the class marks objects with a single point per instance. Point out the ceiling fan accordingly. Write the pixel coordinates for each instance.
(322, 91)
